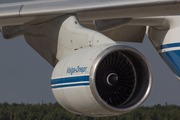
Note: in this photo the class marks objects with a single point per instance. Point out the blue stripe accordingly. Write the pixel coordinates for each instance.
(69, 79)
(168, 46)
(172, 58)
(71, 85)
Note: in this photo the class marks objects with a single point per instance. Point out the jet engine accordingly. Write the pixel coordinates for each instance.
(103, 80)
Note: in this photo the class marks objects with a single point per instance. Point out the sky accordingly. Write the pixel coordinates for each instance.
(26, 77)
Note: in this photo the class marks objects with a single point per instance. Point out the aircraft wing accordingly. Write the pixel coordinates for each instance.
(39, 11)
(18, 18)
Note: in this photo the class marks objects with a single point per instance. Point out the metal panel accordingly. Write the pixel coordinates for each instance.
(55, 7)
(11, 11)
(55, 39)
(91, 10)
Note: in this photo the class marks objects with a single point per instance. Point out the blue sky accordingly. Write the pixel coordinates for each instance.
(25, 76)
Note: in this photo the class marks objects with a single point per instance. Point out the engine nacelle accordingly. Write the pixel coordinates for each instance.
(165, 39)
(101, 81)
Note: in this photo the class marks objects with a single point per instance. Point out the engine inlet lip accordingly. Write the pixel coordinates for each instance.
(110, 49)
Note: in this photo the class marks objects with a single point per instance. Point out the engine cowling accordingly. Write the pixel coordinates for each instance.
(101, 81)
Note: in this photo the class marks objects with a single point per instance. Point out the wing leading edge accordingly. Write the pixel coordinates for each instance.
(26, 12)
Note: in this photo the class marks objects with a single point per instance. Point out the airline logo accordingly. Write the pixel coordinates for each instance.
(72, 70)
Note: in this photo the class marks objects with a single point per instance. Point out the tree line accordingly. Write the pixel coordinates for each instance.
(56, 112)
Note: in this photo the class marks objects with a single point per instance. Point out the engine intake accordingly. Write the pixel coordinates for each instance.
(115, 79)
(102, 81)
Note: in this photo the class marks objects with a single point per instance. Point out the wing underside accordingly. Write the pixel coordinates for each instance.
(39, 11)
